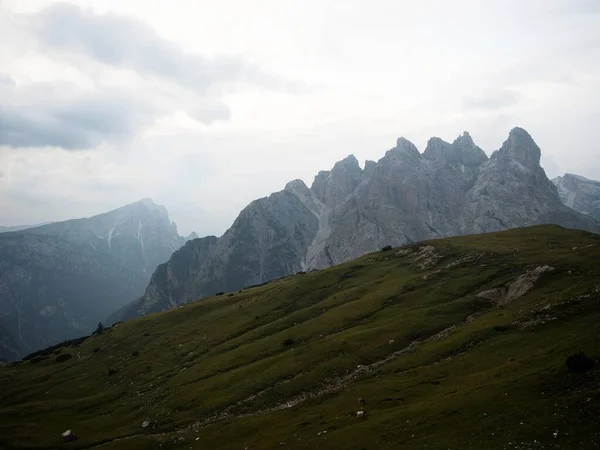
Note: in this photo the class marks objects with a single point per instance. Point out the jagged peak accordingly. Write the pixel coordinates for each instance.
(348, 163)
(435, 146)
(369, 166)
(350, 159)
(404, 144)
(521, 147)
(465, 139)
(296, 185)
(463, 150)
(403, 147)
(192, 235)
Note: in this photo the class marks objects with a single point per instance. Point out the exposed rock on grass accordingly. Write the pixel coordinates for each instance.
(519, 287)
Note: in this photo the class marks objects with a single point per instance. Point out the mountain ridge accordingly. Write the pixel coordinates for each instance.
(406, 196)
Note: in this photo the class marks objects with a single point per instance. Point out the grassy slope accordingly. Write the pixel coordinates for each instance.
(454, 390)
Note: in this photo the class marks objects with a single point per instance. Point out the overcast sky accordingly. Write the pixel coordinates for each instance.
(206, 105)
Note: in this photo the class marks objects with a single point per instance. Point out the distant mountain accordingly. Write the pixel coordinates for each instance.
(579, 193)
(5, 229)
(450, 189)
(192, 235)
(57, 281)
(139, 235)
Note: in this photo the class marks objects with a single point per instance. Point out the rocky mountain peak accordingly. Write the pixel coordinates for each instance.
(521, 147)
(462, 151)
(465, 139)
(369, 167)
(147, 205)
(349, 163)
(333, 186)
(438, 149)
(403, 149)
(297, 187)
(191, 236)
(403, 145)
(579, 193)
(470, 154)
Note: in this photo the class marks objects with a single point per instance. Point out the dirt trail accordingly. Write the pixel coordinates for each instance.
(330, 385)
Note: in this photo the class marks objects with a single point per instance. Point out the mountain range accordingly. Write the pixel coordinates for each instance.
(57, 281)
(450, 189)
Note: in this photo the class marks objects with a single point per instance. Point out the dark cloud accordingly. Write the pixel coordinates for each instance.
(493, 101)
(60, 115)
(127, 43)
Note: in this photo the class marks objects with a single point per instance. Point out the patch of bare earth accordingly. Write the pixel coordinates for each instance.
(520, 286)
(427, 257)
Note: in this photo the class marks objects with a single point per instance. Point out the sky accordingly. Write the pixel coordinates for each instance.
(204, 106)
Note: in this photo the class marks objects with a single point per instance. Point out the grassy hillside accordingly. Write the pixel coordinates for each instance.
(453, 344)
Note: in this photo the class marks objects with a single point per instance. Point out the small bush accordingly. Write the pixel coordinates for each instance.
(219, 293)
(288, 342)
(387, 248)
(230, 295)
(500, 328)
(579, 362)
(63, 357)
(112, 372)
(96, 350)
(135, 353)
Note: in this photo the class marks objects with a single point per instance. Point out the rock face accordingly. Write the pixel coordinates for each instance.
(59, 280)
(449, 189)
(579, 193)
(269, 239)
(139, 235)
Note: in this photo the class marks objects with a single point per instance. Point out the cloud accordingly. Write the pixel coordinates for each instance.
(492, 101)
(127, 43)
(62, 115)
(122, 75)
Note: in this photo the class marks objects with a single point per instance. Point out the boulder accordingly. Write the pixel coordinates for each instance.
(68, 436)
